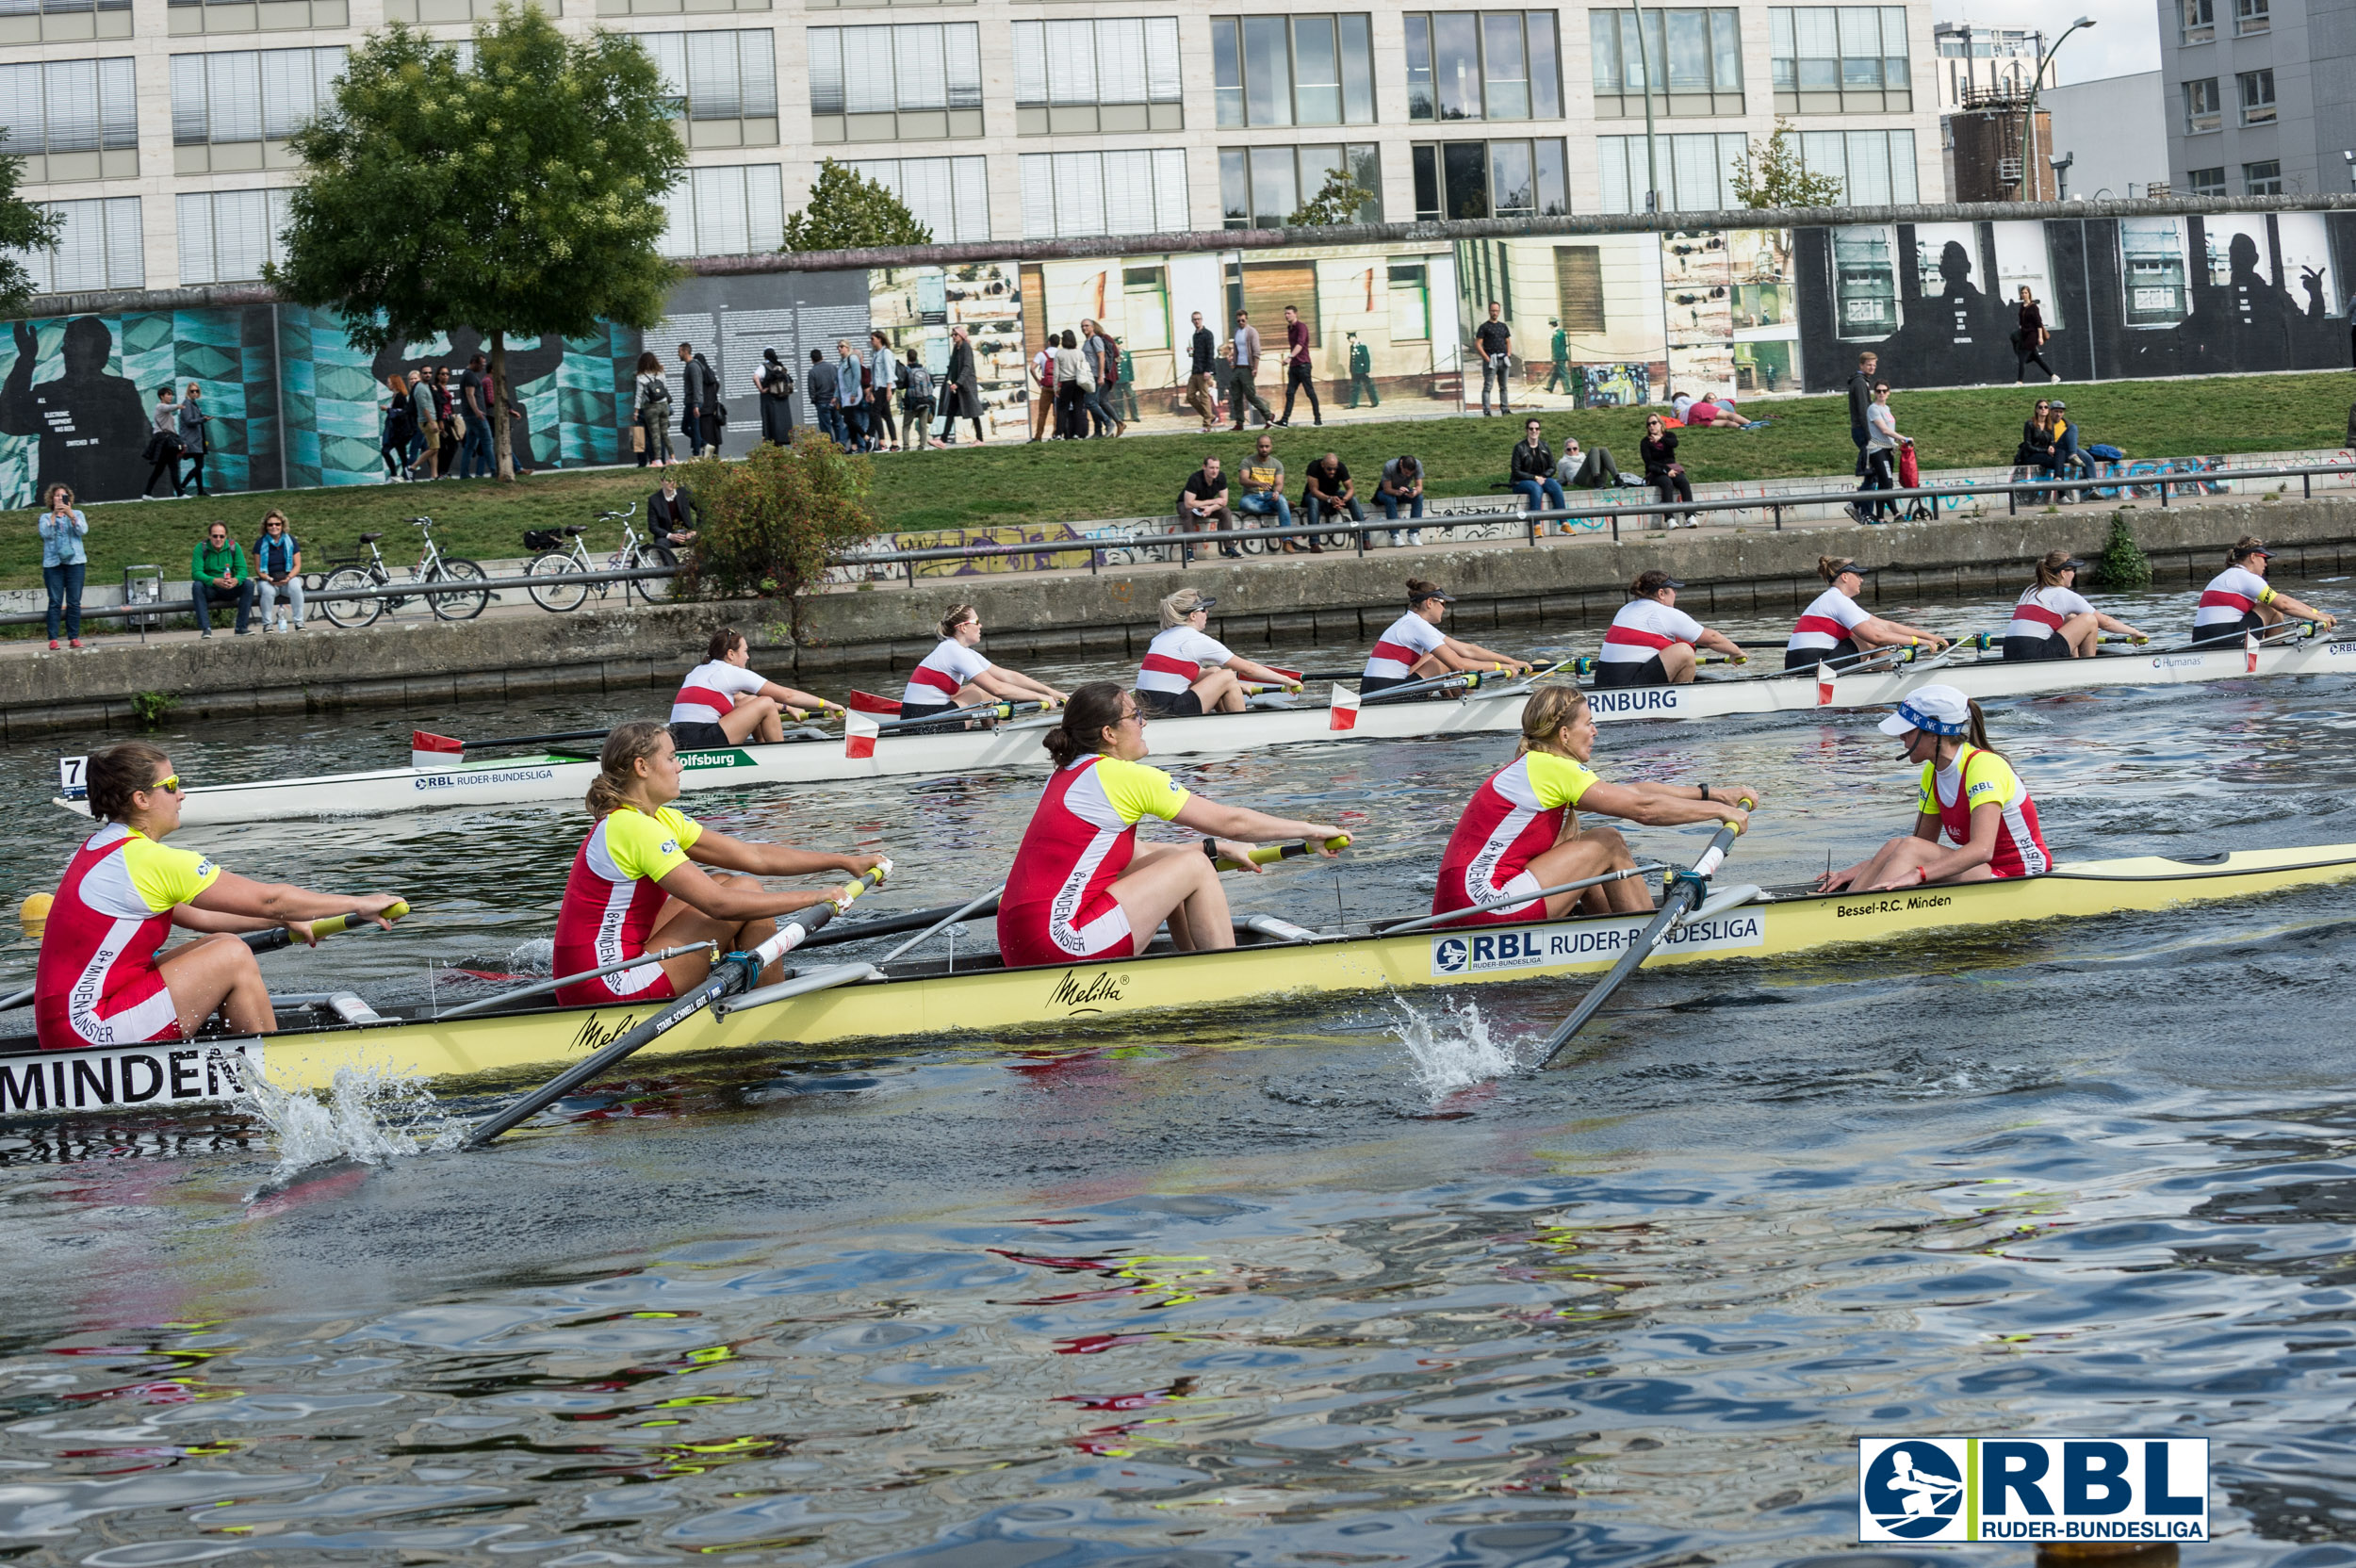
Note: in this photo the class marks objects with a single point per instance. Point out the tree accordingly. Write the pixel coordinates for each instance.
(773, 523)
(22, 227)
(521, 194)
(1774, 177)
(1337, 202)
(848, 211)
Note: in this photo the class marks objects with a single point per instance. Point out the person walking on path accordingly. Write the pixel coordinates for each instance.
(63, 561)
(1559, 372)
(963, 399)
(163, 444)
(850, 374)
(400, 428)
(1299, 369)
(426, 420)
(1362, 374)
(192, 446)
(774, 384)
(1244, 356)
(1494, 341)
(1203, 375)
(474, 394)
(1881, 455)
(1861, 399)
(916, 405)
(2029, 339)
(1104, 364)
(883, 371)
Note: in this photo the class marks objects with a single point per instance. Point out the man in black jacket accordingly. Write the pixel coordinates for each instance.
(672, 513)
(1861, 399)
(698, 410)
(1203, 375)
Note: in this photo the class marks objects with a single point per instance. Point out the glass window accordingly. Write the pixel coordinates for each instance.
(1490, 179)
(1856, 51)
(225, 236)
(1261, 188)
(2253, 16)
(2257, 97)
(1227, 70)
(1293, 70)
(949, 196)
(1316, 71)
(68, 106)
(2205, 109)
(718, 75)
(915, 68)
(1410, 286)
(1874, 167)
(1696, 171)
(2262, 179)
(1071, 194)
(1726, 51)
(1112, 60)
(1476, 65)
(2206, 182)
(1357, 34)
(1421, 99)
(248, 95)
(98, 246)
(1464, 172)
(1689, 51)
(1456, 63)
(1505, 65)
(736, 210)
(1267, 71)
(2200, 26)
(1546, 67)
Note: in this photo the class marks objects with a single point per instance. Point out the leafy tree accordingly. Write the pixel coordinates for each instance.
(520, 195)
(22, 227)
(2123, 563)
(1337, 202)
(773, 523)
(1773, 176)
(848, 211)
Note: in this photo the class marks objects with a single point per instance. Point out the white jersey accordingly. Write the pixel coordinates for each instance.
(2230, 594)
(710, 690)
(1826, 623)
(1396, 651)
(1643, 628)
(1175, 659)
(2041, 612)
(936, 682)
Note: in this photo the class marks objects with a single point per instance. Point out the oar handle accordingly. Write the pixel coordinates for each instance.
(330, 925)
(1267, 855)
(801, 925)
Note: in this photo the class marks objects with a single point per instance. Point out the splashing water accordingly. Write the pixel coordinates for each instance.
(1452, 1051)
(535, 957)
(368, 1113)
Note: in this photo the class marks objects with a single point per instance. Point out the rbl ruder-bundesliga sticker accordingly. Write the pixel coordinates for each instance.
(2033, 1489)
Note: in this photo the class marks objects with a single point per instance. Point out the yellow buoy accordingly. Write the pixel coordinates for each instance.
(33, 914)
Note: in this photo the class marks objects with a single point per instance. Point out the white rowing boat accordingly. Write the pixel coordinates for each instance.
(524, 780)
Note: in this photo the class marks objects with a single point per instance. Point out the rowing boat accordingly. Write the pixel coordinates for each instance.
(512, 781)
(940, 1000)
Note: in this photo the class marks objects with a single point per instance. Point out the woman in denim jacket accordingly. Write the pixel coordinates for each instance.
(62, 563)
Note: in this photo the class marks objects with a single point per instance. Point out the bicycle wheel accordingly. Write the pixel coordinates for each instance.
(560, 592)
(351, 613)
(653, 589)
(458, 607)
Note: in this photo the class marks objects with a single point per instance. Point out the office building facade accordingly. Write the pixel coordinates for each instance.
(2259, 97)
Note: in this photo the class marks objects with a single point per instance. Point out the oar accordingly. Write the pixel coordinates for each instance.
(1686, 888)
(1469, 679)
(891, 926)
(733, 974)
(984, 903)
(1267, 855)
(262, 941)
(1516, 900)
(484, 1003)
(540, 740)
(998, 710)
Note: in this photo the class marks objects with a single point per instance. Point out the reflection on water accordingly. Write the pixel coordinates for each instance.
(1322, 1281)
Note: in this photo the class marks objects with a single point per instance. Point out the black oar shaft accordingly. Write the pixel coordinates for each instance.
(1682, 896)
(260, 942)
(539, 739)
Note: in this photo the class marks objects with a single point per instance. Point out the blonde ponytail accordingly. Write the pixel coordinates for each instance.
(626, 745)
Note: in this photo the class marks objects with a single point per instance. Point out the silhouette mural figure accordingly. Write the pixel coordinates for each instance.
(2250, 321)
(91, 425)
(1947, 337)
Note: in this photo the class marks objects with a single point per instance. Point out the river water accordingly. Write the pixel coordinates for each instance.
(1324, 1282)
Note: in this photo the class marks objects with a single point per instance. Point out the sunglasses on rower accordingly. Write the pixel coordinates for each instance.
(170, 783)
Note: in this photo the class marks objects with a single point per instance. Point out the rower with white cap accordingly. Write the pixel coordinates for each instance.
(1970, 796)
(1651, 641)
(1186, 671)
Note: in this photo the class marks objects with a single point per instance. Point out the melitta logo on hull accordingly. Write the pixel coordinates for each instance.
(1621, 702)
(1075, 995)
(2128, 1490)
(452, 780)
(135, 1075)
(596, 1034)
(1487, 952)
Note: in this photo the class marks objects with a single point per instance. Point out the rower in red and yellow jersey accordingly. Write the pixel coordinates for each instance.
(1520, 831)
(636, 887)
(99, 980)
(1081, 888)
(1970, 796)
(723, 702)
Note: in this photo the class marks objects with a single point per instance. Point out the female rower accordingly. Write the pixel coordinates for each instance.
(1651, 641)
(1414, 648)
(2053, 621)
(1970, 795)
(1520, 830)
(99, 980)
(1834, 627)
(722, 703)
(1081, 888)
(1189, 671)
(633, 889)
(2239, 599)
(955, 674)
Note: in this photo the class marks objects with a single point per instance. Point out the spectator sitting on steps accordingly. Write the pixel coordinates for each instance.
(278, 572)
(1402, 485)
(672, 513)
(1663, 472)
(1329, 488)
(1202, 503)
(1534, 472)
(1586, 470)
(217, 573)
(1263, 479)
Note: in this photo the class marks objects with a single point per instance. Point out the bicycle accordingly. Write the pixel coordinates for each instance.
(560, 593)
(432, 567)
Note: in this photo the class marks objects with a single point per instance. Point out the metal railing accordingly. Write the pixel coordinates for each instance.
(444, 587)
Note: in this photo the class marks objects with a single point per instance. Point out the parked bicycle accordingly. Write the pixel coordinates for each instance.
(432, 567)
(556, 571)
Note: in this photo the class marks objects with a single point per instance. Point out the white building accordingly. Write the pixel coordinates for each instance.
(2114, 132)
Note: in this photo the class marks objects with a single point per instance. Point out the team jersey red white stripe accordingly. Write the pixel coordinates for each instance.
(1175, 659)
(710, 690)
(1058, 904)
(1979, 778)
(1826, 623)
(2230, 594)
(1514, 817)
(96, 980)
(2042, 611)
(1396, 650)
(1645, 627)
(945, 671)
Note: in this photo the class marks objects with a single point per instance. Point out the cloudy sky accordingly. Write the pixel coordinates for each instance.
(2125, 36)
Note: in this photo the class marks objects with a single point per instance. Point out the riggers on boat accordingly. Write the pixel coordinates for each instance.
(940, 999)
(1494, 708)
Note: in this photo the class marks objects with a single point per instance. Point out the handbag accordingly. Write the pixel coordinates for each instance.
(637, 437)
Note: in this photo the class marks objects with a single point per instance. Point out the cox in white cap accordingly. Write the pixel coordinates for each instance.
(1973, 819)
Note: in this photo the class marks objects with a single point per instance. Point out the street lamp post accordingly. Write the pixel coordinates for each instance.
(2028, 132)
(1644, 61)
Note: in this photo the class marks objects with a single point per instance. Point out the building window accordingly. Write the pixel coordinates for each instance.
(1490, 179)
(64, 21)
(1692, 62)
(2204, 109)
(1410, 287)
(2257, 97)
(1578, 287)
(914, 82)
(2205, 182)
(225, 236)
(1112, 75)
(1840, 60)
(2253, 16)
(1261, 188)
(234, 111)
(70, 119)
(98, 247)
(1071, 194)
(826, 5)
(637, 7)
(949, 196)
(422, 12)
(2262, 179)
(1292, 69)
(2199, 26)
(1875, 168)
(733, 211)
(726, 84)
(1696, 172)
(1483, 65)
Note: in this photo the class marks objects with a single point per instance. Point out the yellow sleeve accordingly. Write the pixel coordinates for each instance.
(1988, 781)
(652, 848)
(1138, 791)
(166, 877)
(1557, 780)
(1925, 803)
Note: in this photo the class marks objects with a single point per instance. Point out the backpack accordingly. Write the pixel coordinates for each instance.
(900, 374)
(543, 539)
(2107, 452)
(658, 391)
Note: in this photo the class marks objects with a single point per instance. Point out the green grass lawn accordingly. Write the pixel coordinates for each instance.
(1141, 474)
